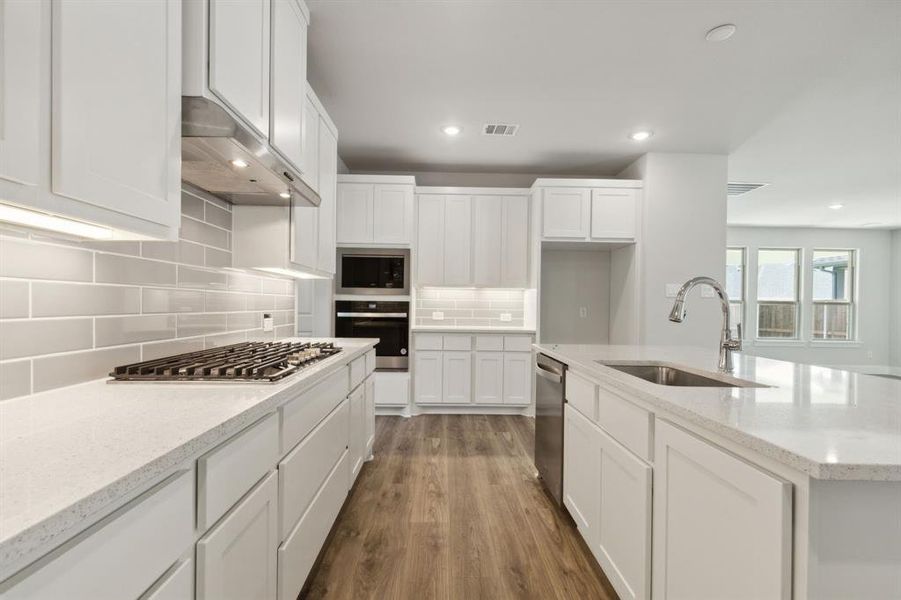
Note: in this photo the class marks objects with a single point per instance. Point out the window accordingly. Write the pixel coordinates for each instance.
(777, 293)
(833, 294)
(735, 286)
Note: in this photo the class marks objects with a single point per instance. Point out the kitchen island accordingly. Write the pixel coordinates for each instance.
(77, 462)
(786, 483)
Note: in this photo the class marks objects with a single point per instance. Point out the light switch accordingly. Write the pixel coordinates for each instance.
(267, 322)
(583, 312)
(506, 317)
(437, 316)
(672, 290)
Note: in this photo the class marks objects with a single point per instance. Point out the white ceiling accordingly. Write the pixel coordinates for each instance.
(804, 96)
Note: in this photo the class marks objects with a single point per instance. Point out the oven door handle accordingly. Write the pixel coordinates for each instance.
(372, 315)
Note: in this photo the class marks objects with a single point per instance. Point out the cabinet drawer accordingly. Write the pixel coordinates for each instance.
(429, 341)
(518, 343)
(458, 342)
(370, 362)
(123, 555)
(302, 472)
(300, 416)
(177, 584)
(227, 472)
(627, 423)
(490, 343)
(357, 371)
(297, 554)
(582, 395)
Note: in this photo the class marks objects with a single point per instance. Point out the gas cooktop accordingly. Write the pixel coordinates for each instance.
(245, 361)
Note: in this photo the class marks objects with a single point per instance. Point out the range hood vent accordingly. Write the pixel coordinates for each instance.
(737, 189)
(213, 141)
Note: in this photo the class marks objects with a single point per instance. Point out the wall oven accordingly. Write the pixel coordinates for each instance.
(387, 321)
(373, 271)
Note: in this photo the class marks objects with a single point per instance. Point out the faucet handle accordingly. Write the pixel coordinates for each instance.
(738, 330)
(734, 343)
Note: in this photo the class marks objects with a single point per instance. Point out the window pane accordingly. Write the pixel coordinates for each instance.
(777, 320)
(832, 275)
(832, 321)
(735, 273)
(736, 310)
(777, 272)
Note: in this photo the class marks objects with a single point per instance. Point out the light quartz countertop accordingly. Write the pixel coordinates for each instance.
(464, 329)
(70, 454)
(828, 423)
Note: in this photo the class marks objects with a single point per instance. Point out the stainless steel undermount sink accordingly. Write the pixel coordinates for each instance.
(667, 375)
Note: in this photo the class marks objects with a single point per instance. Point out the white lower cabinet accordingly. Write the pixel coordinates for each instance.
(369, 417)
(582, 473)
(237, 558)
(357, 441)
(489, 378)
(457, 368)
(517, 377)
(428, 381)
(176, 584)
(722, 526)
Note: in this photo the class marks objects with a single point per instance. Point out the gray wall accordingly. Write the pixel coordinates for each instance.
(683, 235)
(874, 276)
(570, 280)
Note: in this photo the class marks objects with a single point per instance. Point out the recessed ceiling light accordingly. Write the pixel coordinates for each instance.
(836, 206)
(285, 195)
(241, 164)
(721, 33)
(451, 130)
(640, 136)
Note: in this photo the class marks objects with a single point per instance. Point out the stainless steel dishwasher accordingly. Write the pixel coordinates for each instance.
(550, 382)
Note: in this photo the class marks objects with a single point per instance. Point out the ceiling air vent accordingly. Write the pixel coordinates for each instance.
(737, 189)
(501, 129)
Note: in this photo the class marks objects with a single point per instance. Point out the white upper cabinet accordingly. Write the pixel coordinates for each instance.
(589, 210)
(487, 241)
(328, 190)
(139, 43)
(430, 240)
(289, 80)
(457, 240)
(21, 37)
(310, 173)
(614, 214)
(375, 210)
(392, 214)
(515, 242)
(239, 33)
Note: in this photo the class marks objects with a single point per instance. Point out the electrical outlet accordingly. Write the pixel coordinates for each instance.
(267, 322)
(437, 316)
(583, 312)
(506, 317)
(672, 290)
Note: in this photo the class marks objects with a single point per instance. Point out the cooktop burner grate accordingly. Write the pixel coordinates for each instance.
(245, 361)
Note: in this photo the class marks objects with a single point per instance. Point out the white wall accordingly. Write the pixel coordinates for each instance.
(874, 277)
(683, 235)
(571, 280)
(896, 298)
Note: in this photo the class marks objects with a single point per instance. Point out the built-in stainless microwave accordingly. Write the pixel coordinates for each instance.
(373, 271)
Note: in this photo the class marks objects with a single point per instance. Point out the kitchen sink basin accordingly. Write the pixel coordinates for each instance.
(673, 376)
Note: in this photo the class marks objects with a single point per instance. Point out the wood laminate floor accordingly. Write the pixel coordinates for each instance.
(450, 508)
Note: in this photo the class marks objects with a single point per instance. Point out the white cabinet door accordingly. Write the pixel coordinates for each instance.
(239, 58)
(355, 213)
(582, 473)
(487, 239)
(722, 527)
(624, 533)
(515, 236)
(489, 378)
(457, 240)
(392, 215)
(116, 123)
(289, 80)
(328, 177)
(430, 240)
(517, 378)
(614, 214)
(22, 40)
(565, 213)
(428, 381)
(370, 417)
(304, 236)
(237, 558)
(457, 377)
(310, 173)
(357, 440)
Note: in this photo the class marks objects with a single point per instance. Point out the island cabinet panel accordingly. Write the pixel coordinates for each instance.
(722, 527)
(226, 473)
(357, 425)
(122, 555)
(237, 558)
(176, 584)
(369, 417)
(300, 416)
(582, 473)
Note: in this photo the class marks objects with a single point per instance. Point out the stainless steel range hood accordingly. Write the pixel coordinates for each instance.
(213, 140)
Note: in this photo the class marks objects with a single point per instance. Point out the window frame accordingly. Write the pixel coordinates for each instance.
(743, 303)
(797, 302)
(851, 302)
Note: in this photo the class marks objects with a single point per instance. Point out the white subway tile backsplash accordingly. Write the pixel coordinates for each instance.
(116, 331)
(171, 300)
(278, 286)
(282, 317)
(200, 278)
(66, 369)
(181, 252)
(214, 341)
(225, 301)
(44, 336)
(284, 302)
(114, 247)
(111, 268)
(245, 320)
(218, 216)
(260, 302)
(217, 258)
(192, 206)
(244, 283)
(81, 299)
(15, 379)
(469, 307)
(154, 350)
(190, 325)
(203, 233)
(31, 260)
(13, 299)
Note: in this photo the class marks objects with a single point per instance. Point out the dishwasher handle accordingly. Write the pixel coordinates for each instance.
(548, 374)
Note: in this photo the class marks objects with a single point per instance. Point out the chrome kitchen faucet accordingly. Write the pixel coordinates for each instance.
(728, 344)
